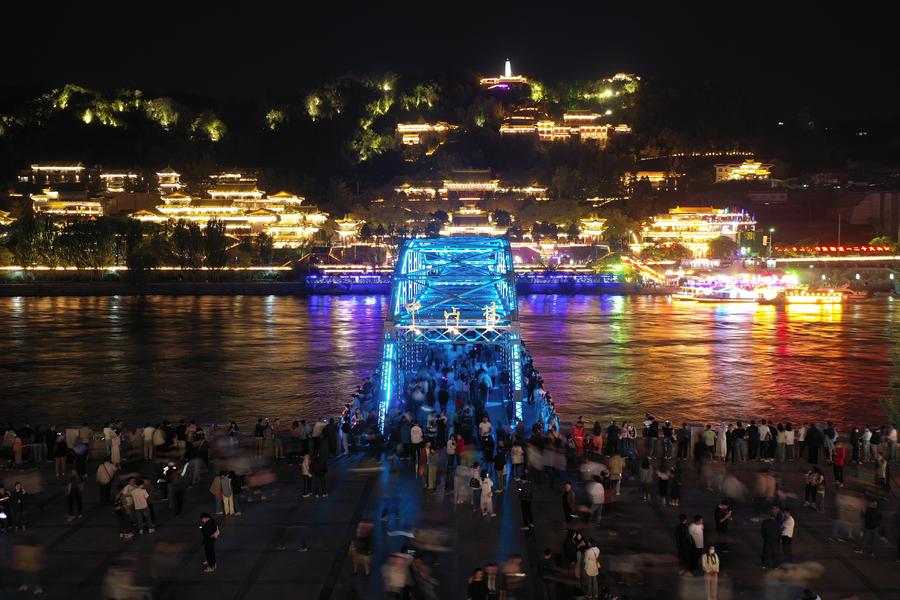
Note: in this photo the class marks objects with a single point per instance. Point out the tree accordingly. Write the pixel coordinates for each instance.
(619, 228)
(883, 240)
(365, 232)
(215, 244)
(723, 248)
(265, 247)
(22, 240)
(566, 184)
(433, 229)
(667, 252)
(441, 216)
(502, 218)
(573, 231)
(87, 244)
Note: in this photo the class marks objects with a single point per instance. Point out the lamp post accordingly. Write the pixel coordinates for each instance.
(771, 235)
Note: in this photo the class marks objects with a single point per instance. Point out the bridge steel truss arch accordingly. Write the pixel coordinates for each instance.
(457, 290)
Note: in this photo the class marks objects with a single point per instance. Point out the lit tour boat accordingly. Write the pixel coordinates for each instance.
(801, 296)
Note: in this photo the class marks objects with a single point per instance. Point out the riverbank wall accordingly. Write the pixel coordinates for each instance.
(310, 285)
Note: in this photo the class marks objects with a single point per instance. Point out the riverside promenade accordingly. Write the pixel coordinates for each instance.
(284, 545)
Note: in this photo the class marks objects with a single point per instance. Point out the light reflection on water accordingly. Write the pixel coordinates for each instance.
(216, 358)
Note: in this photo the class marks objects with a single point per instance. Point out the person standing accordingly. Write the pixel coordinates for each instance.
(710, 565)
(106, 472)
(646, 478)
(209, 531)
(684, 441)
(789, 441)
(227, 493)
(526, 494)
(591, 562)
(74, 490)
(487, 495)
(684, 544)
(115, 448)
(60, 454)
(838, 459)
(17, 500)
(147, 435)
(787, 535)
(319, 470)
(739, 434)
(141, 500)
(723, 516)
(695, 530)
(771, 534)
(361, 548)
(215, 488)
(709, 441)
(616, 471)
(871, 523)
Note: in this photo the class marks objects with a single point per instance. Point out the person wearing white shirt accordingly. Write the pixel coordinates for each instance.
(141, 498)
(487, 501)
(592, 569)
(485, 428)
(598, 497)
(787, 535)
(148, 432)
(789, 441)
(695, 531)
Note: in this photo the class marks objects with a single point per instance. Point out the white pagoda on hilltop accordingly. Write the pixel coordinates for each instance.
(505, 81)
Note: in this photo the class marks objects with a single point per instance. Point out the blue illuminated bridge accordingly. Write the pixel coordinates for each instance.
(458, 290)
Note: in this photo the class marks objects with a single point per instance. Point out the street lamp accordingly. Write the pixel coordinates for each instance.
(771, 235)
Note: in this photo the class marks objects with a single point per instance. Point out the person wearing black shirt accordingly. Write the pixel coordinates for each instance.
(209, 531)
(684, 440)
(684, 545)
(667, 440)
(723, 516)
(526, 493)
(652, 439)
(739, 434)
(259, 434)
(771, 535)
(753, 445)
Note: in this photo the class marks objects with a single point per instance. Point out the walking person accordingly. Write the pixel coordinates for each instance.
(215, 488)
(306, 474)
(598, 496)
(646, 479)
(487, 495)
(60, 454)
(838, 459)
(74, 491)
(227, 493)
(568, 502)
(526, 494)
(710, 566)
(663, 477)
(209, 532)
(319, 470)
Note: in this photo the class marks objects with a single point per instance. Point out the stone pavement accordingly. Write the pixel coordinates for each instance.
(260, 554)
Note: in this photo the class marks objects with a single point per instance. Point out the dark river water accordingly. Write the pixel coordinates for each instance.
(214, 358)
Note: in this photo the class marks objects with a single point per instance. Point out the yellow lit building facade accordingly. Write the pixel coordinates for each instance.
(747, 170)
(115, 182)
(576, 125)
(694, 227)
(63, 205)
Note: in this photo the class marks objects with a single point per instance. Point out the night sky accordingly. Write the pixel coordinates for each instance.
(843, 64)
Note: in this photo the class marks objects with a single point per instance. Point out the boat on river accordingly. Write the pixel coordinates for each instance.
(802, 296)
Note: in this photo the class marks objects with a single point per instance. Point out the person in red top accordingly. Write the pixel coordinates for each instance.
(838, 458)
(460, 447)
(579, 439)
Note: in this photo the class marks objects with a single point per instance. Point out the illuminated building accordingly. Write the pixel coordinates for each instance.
(468, 183)
(348, 229)
(412, 134)
(747, 170)
(694, 227)
(168, 181)
(505, 81)
(53, 173)
(582, 125)
(658, 180)
(471, 220)
(117, 181)
(5, 218)
(238, 189)
(61, 203)
(591, 230)
(281, 216)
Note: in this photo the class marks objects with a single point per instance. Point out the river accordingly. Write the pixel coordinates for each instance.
(70, 359)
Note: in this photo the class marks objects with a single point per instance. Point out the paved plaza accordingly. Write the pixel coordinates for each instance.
(284, 545)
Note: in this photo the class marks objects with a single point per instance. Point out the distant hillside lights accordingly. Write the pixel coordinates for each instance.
(577, 125)
(505, 81)
(694, 227)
